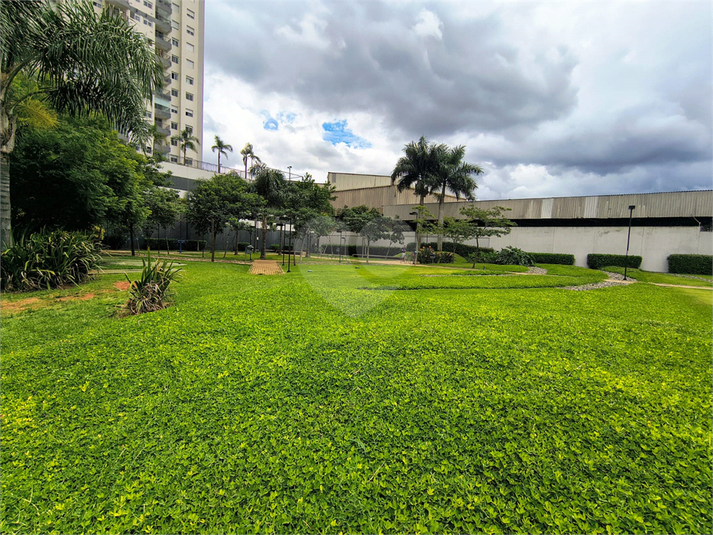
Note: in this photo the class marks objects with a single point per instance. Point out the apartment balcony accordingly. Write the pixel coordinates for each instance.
(121, 4)
(165, 131)
(163, 94)
(163, 44)
(166, 62)
(162, 112)
(163, 24)
(163, 7)
(162, 148)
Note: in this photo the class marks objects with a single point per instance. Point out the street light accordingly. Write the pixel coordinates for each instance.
(282, 239)
(628, 237)
(341, 237)
(288, 252)
(289, 171)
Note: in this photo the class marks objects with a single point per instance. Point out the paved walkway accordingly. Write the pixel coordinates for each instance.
(266, 267)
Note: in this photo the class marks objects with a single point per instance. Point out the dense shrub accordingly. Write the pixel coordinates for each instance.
(512, 256)
(461, 249)
(150, 291)
(158, 244)
(358, 250)
(48, 259)
(114, 242)
(428, 256)
(598, 261)
(696, 264)
(552, 258)
(275, 247)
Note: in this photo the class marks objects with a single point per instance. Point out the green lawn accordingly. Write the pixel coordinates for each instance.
(329, 400)
(663, 278)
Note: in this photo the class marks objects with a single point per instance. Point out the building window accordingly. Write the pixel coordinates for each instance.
(189, 80)
(189, 96)
(191, 14)
(174, 92)
(190, 47)
(148, 4)
(190, 64)
(174, 142)
(175, 25)
(174, 109)
(136, 17)
(189, 129)
(189, 113)
(174, 126)
(174, 41)
(174, 59)
(190, 31)
(148, 23)
(97, 4)
(174, 159)
(174, 76)
(189, 161)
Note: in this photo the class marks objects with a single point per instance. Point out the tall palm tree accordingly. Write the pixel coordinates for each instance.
(222, 148)
(270, 185)
(453, 174)
(248, 153)
(186, 140)
(416, 169)
(82, 62)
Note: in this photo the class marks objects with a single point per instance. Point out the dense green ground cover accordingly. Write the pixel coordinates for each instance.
(303, 403)
(663, 278)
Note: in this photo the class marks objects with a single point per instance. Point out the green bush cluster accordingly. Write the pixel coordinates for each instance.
(160, 243)
(48, 259)
(428, 256)
(512, 256)
(358, 250)
(552, 258)
(149, 292)
(598, 261)
(461, 249)
(694, 264)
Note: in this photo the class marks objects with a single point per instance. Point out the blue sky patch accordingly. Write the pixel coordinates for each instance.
(270, 124)
(338, 132)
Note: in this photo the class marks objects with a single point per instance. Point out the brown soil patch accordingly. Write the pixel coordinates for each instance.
(19, 306)
(84, 297)
(266, 267)
(122, 285)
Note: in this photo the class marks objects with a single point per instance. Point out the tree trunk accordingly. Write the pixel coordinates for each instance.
(368, 242)
(5, 214)
(264, 236)
(131, 239)
(225, 244)
(218, 162)
(212, 247)
(165, 230)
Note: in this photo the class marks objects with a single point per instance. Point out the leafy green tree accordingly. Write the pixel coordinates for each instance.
(487, 222)
(270, 185)
(416, 168)
(458, 230)
(355, 218)
(452, 174)
(221, 148)
(395, 231)
(216, 201)
(164, 209)
(81, 62)
(304, 201)
(186, 140)
(375, 229)
(249, 154)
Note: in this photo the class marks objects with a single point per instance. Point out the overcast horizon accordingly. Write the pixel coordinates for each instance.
(551, 99)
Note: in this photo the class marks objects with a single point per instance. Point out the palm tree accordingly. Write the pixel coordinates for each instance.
(270, 185)
(221, 148)
(186, 140)
(416, 169)
(248, 153)
(82, 63)
(453, 174)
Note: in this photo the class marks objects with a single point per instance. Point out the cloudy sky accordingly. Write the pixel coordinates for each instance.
(550, 98)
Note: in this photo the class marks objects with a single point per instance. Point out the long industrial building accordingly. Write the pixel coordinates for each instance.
(661, 223)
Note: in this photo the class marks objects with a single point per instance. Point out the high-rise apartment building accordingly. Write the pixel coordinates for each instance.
(175, 28)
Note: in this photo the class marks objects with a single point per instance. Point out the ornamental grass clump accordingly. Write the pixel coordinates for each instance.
(48, 259)
(150, 292)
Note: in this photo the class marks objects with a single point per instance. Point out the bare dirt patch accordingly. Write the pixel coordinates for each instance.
(84, 297)
(122, 285)
(266, 267)
(19, 306)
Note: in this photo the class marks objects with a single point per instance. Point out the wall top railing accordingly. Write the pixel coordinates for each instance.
(224, 170)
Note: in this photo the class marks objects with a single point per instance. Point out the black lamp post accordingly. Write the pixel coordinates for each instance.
(288, 252)
(342, 239)
(628, 237)
(282, 239)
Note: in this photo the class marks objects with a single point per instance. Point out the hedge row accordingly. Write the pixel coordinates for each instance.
(598, 261)
(158, 244)
(461, 249)
(694, 264)
(358, 250)
(552, 258)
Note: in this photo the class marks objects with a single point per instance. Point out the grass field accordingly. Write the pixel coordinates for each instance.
(353, 398)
